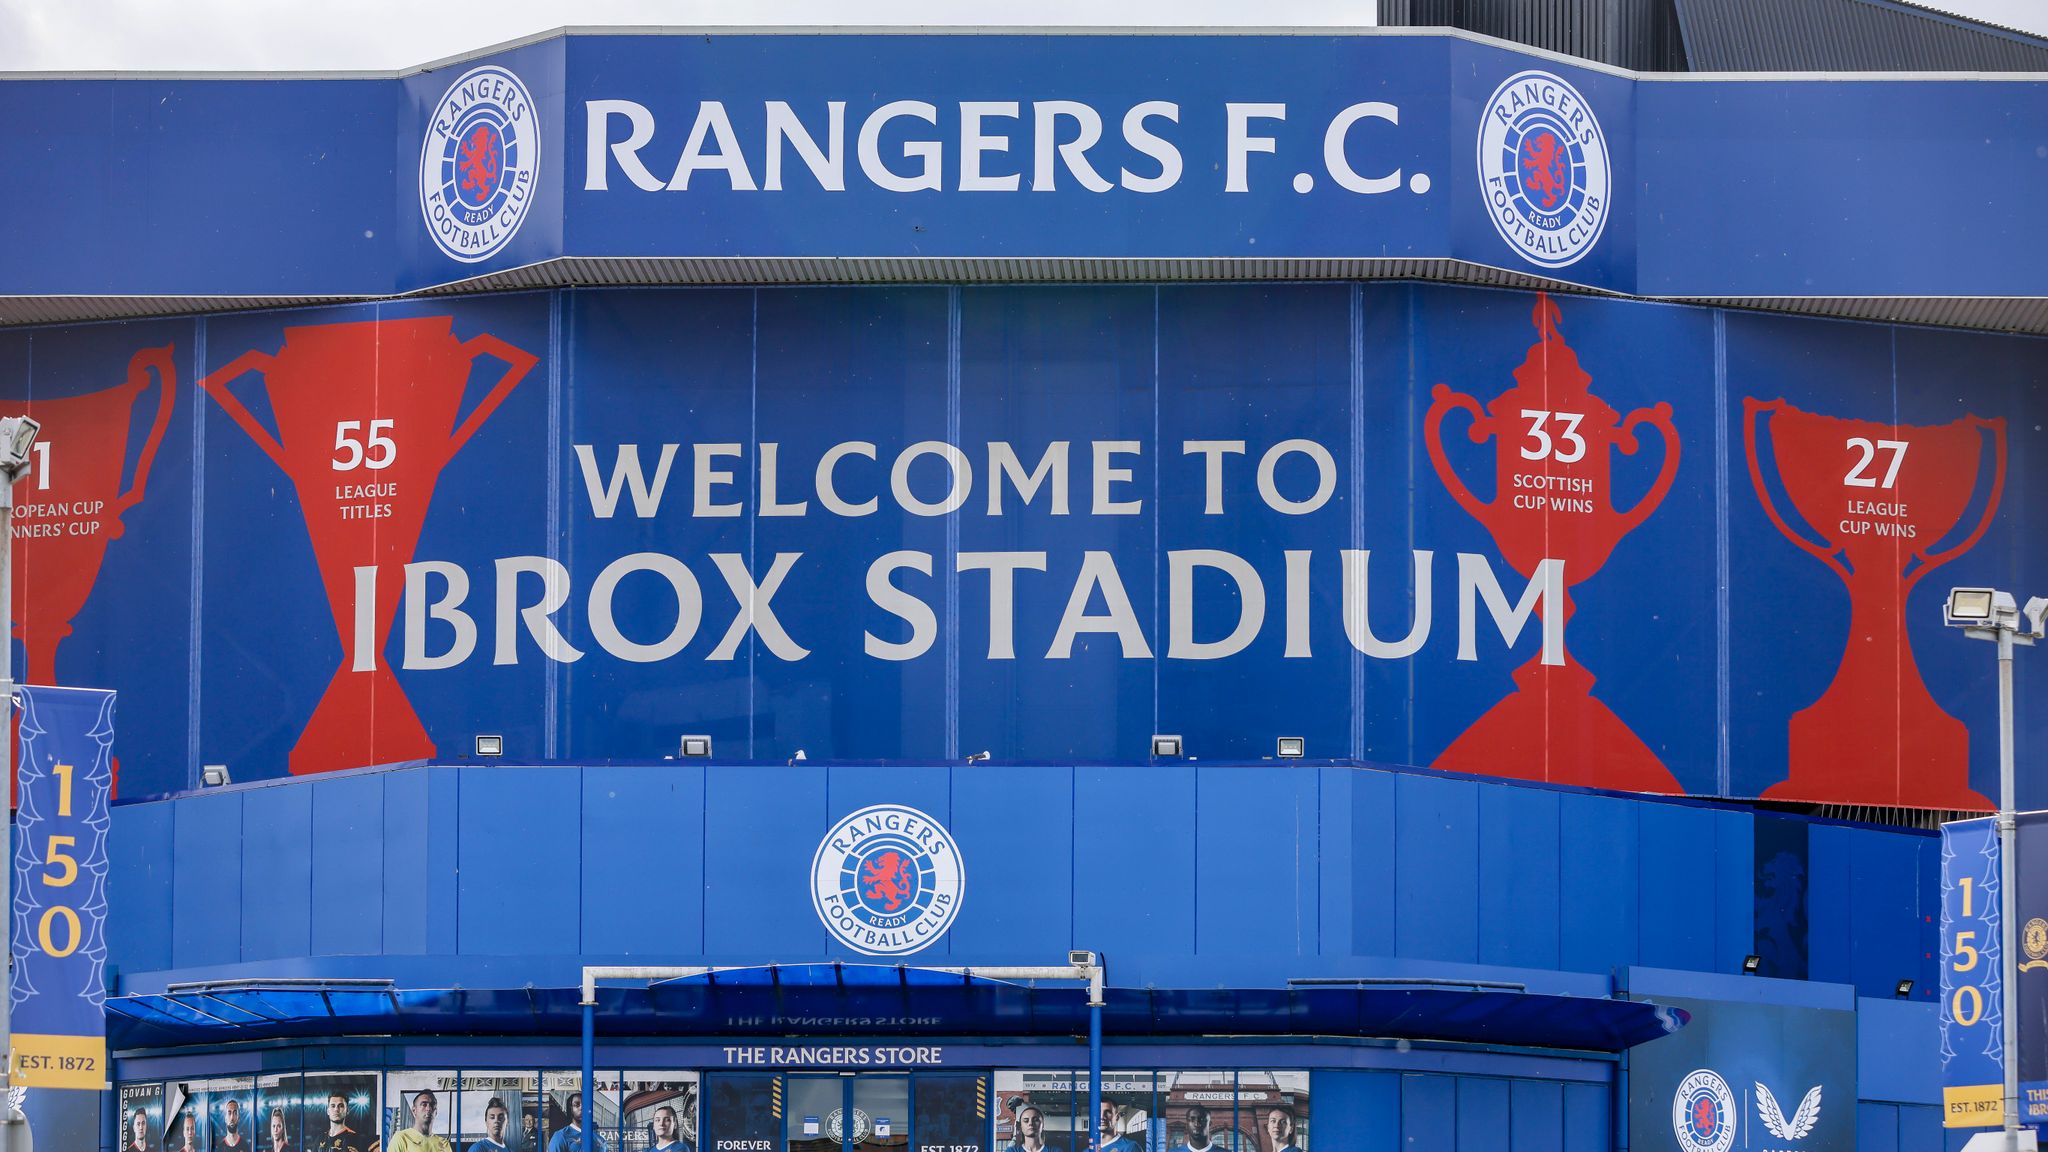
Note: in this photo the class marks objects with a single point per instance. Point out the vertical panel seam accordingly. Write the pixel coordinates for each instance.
(1723, 505)
(1356, 337)
(555, 687)
(754, 509)
(195, 619)
(952, 653)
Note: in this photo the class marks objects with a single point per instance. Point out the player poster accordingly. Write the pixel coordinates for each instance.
(142, 1117)
(743, 1112)
(1200, 1112)
(564, 1112)
(950, 1111)
(277, 1114)
(659, 1112)
(340, 1112)
(1273, 1108)
(1037, 1111)
(497, 1112)
(185, 1116)
(230, 1115)
(419, 1110)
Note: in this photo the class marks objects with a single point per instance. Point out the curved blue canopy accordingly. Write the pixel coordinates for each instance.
(880, 1000)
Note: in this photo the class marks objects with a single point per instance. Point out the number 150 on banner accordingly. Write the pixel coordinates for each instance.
(60, 887)
(1972, 987)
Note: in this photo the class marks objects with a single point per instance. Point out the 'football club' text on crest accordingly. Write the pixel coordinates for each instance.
(478, 163)
(887, 880)
(1544, 169)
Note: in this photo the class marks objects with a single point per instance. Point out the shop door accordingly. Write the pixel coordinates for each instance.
(849, 1112)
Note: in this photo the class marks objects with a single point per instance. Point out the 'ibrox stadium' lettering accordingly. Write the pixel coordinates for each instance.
(994, 146)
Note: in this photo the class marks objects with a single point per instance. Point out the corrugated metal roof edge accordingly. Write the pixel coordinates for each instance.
(2024, 315)
(1064, 30)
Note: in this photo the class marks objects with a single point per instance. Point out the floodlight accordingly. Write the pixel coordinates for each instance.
(1904, 990)
(697, 747)
(1291, 748)
(214, 775)
(490, 745)
(1750, 964)
(17, 436)
(1969, 605)
(1166, 747)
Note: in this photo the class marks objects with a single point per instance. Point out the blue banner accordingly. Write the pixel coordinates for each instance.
(904, 150)
(1746, 1076)
(60, 888)
(1972, 982)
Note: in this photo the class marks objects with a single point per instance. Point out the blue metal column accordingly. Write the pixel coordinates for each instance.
(1095, 1071)
(589, 1073)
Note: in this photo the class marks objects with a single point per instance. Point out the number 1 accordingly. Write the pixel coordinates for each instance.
(63, 772)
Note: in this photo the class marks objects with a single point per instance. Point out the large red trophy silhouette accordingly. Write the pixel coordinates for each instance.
(1552, 500)
(69, 507)
(1881, 496)
(366, 420)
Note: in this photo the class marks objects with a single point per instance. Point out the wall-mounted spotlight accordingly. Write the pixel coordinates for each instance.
(1750, 964)
(490, 745)
(696, 747)
(1904, 991)
(1166, 747)
(1291, 748)
(977, 757)
(214, 776)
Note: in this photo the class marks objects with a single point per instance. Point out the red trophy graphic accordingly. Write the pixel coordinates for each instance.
(366, 420)
(1552, 500)
(68, 509)
(1881, 497)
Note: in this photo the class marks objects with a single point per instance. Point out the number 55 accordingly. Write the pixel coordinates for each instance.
(382, 450)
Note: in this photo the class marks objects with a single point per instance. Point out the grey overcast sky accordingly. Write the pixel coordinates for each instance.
(301, 35)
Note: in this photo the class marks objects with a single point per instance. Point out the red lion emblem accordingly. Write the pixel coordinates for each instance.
(1704, 1116)
(479, 162)
(887, 880)
(1544, 163)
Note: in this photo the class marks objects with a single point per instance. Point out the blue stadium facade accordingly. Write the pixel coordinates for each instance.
(753, 503)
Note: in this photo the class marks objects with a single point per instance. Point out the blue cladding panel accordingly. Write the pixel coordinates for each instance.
(1898, 1051)
(1888, 911)
(1437, 885)
(1587, 1116)
(444, 866)
(408, 836)
(1677, 925)
(139, 882)
(277, 824)
(1597, 932)
(1877, 1127)
(1482, 1113)
(207, 847)
(348, 866)
(643, 832)
(520, 878)
(1255, 903)
(1014, 903)
(1429, 1112)
(1536, 1116)
(1734, 889)
(1518, 877)
(1128, 822)
(760, 813)
(1333, 873)
(1374, 852)
(1368, 1105)
(1830, 907)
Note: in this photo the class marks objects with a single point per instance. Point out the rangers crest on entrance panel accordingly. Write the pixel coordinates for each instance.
(1544, 169)
(887, 880)
(1703, 1113)
(479, 163)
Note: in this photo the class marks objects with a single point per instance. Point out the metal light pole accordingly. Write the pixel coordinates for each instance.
(1988, 614)
(17, 436)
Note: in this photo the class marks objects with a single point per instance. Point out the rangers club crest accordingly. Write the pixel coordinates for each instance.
(1703, 1113)
(1544, 170)
(478, 163)
(887, 880)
